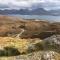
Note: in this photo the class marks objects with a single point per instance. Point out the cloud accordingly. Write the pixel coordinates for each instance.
(3, 6)
(18, 4)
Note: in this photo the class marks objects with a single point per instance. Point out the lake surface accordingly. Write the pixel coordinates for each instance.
(42, 17)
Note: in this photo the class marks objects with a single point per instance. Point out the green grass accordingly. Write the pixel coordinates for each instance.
(9, 51)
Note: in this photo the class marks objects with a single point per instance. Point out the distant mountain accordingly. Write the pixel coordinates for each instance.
(37, 11)
(55, 12)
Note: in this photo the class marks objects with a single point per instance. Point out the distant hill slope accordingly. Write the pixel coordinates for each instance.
(11, 26)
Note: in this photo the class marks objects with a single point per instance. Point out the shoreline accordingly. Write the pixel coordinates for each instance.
(36, 17)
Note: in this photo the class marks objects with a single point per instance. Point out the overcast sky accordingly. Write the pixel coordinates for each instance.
(18, 4)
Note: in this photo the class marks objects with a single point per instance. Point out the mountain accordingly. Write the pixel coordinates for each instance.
(24, 11)
(55, 12)
(37, 11)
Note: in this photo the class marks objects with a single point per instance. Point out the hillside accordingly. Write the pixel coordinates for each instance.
(29, 39)
(11, 25)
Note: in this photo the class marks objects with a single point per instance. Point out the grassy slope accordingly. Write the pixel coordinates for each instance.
(22, 46)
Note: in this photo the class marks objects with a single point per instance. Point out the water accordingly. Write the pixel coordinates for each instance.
(42, 17)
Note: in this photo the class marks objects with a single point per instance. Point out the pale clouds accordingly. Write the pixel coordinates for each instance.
(17, 4)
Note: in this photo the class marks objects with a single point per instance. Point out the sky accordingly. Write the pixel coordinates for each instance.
(30, 4)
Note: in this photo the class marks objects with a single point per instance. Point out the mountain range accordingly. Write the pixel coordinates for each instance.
(37, 11)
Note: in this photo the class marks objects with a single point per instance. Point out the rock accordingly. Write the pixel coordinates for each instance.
(48, 55)
(54, 39)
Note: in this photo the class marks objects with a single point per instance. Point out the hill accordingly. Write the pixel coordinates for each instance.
(29, 39)
(11, 26)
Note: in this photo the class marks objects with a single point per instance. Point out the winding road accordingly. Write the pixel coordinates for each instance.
(22, 31)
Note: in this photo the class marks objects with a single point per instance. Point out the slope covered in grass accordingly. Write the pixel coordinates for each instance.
(27, 49)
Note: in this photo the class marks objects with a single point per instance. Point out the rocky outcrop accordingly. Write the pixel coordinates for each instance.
(48, 55)
(54, 39)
